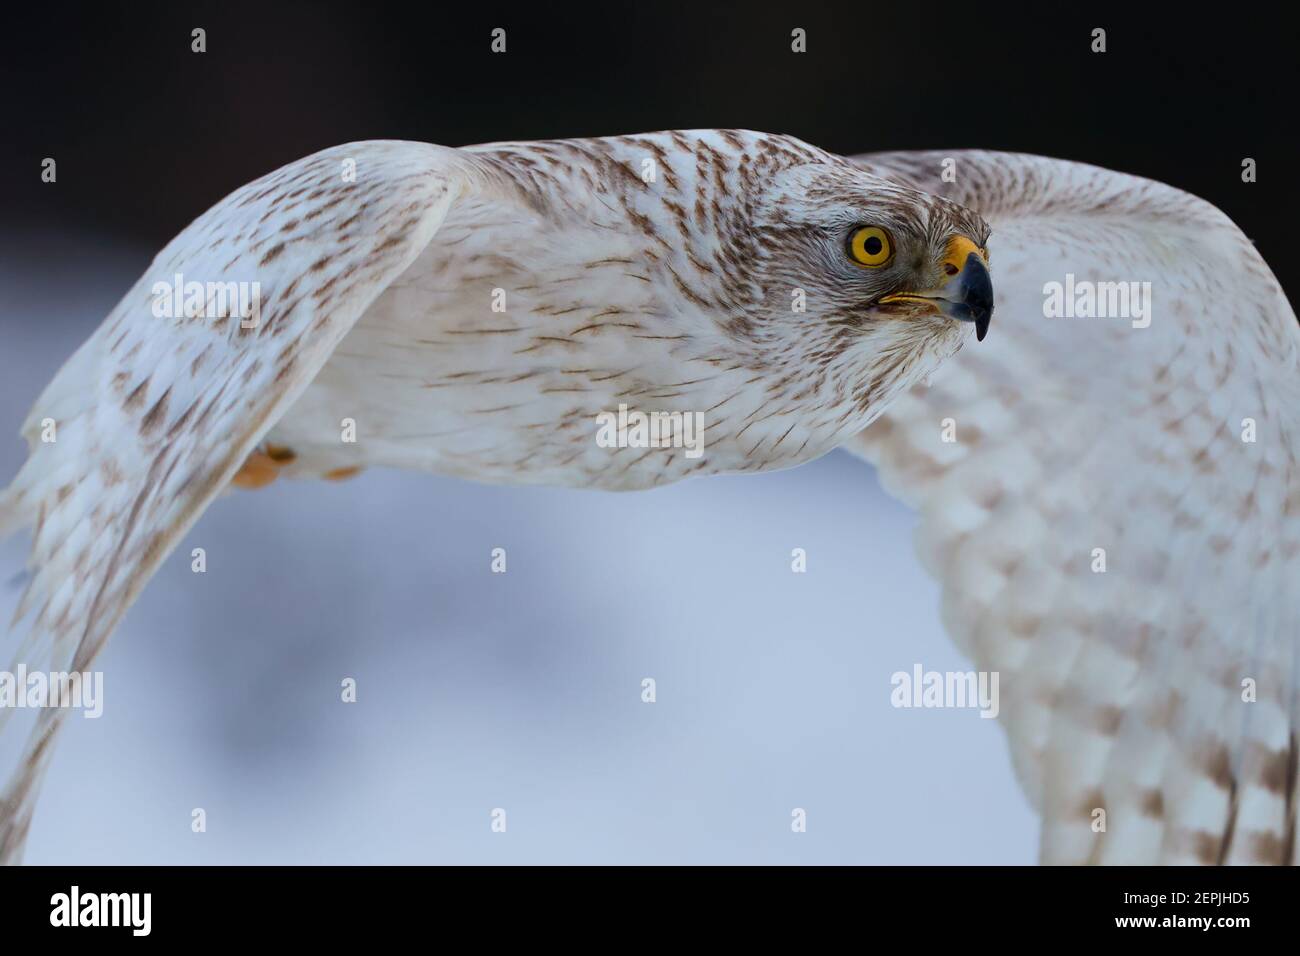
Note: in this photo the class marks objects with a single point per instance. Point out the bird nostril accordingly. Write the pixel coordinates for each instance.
(950, 269)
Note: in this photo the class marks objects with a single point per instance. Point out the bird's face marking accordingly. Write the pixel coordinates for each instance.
(871, 253)
(867, 285)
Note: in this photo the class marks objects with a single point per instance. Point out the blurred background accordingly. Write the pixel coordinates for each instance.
(523, 691)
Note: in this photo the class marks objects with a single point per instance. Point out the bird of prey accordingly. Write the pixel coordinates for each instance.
(475, 311)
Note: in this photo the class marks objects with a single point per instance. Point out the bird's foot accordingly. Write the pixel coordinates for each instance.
(263, 466)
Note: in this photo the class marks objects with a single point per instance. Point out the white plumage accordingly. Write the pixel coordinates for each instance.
(1122, 691)
(674, 292)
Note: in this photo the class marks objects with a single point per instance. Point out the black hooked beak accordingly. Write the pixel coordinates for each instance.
(971, 295)
(968, 293)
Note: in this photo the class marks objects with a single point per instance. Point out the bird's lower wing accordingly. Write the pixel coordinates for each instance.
(155, 413)
(1112, 506)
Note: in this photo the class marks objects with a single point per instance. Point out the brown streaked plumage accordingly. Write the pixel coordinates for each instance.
(470, 311)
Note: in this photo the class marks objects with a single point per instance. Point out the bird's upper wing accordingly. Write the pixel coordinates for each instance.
(1161, 690)
(150, 419)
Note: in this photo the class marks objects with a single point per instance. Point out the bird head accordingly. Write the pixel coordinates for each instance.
(865, 282)
(871, 253)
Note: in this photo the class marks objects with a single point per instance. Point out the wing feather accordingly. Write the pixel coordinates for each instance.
(152, 416)
(1127, 690)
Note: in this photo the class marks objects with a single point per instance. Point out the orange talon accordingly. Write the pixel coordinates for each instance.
(341, 474)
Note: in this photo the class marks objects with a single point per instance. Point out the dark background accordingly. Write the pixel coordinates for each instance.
(148, 134)
(223, 688)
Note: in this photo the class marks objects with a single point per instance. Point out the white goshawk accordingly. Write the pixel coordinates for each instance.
(472, 311)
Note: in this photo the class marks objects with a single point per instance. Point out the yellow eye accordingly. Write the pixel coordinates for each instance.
(870, 246)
